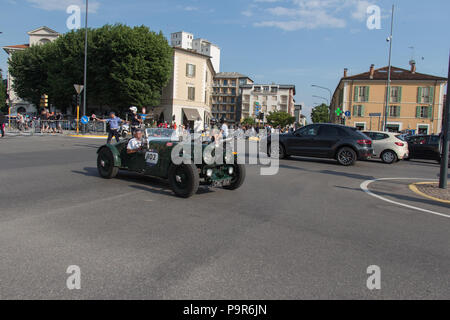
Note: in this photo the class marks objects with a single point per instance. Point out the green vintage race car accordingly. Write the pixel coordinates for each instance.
(156, 161)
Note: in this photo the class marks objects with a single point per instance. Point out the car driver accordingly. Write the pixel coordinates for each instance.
(137, 143)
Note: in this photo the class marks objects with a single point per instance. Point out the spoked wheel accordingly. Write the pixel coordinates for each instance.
(184, 180)
(346, 156)
(238, 177)
(389, 157)
(105, 164)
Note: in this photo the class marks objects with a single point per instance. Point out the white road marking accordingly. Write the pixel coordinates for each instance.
(365, 188)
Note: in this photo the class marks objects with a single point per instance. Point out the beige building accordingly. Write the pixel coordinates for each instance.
(226, 96)
(416, 100)
(187, 97)
(268, 98)
(38, 36)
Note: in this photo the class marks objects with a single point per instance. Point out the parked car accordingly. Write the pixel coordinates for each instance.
(387, 146)
(345, 144)
(156, 160)
(425, 147)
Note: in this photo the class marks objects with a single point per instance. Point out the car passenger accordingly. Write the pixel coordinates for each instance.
(136, 144)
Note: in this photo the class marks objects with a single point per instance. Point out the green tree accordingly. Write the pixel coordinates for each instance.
(3, 106)
(248, 121)
(321, 114)
(280, 118)
(126, 66)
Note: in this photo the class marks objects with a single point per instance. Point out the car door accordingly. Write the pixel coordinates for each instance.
(417, 146)
(432, 148)
(303, 141)
(327, 138)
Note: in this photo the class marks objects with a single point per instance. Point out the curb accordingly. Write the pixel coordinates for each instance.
(87, 137)
(414, 189)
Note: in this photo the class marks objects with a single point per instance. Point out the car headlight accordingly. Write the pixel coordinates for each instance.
(208, 158)
(209, 173)
(230, 170)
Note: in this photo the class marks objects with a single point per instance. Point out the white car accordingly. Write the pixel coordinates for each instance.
(387, 146)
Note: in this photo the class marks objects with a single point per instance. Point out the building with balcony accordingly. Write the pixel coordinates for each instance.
(270, 98)
(416, 100)
(186, 40)
(38, 36)
(187, 97)
(226, 95)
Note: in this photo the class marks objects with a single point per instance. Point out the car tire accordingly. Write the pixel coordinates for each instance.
(346, 156)
(389, 157)
(281, 152)
(184, 180)
(238, 177)
(105, 164)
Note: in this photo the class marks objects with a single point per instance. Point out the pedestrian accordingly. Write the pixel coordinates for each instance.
(2, 123)
(44, 121)
(136, 120)
(59, 120)
(114, 123)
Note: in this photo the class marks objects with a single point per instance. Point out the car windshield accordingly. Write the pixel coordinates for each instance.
(158, 133)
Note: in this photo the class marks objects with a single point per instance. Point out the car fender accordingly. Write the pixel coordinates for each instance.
(115, 152)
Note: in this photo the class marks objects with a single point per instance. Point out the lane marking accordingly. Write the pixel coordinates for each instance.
(365, 187)
(88, 137)
(413, 188)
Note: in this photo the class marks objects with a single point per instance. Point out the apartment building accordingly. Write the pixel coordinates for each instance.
(226, 95)
(37, 36)
(416, 100)
(269, 97)
(187, 97)
(186, 40)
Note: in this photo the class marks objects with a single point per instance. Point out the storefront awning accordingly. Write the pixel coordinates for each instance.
(191, 114)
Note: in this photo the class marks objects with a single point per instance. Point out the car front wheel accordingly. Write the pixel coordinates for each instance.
(184, 180)
(389, 157)
(346, 156)
(105, 164)
(281, 154)
(238, 177)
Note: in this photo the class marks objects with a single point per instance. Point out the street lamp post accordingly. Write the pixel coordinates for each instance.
(85, 59)
(324, 88)
(443, 179)
(388, 93)
(323, 98)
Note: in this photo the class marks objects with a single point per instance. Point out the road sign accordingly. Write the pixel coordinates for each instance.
(374, 114)
(84, 120)
(348, 114)
(78, 88)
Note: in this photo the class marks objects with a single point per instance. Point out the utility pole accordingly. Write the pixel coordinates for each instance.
(388, 91)
(443, 180)
(85, 60)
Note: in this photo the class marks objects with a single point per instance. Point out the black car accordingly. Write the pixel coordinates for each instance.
(425, 147)
(345, 144)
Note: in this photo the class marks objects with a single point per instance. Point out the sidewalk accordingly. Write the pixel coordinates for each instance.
(431, 191)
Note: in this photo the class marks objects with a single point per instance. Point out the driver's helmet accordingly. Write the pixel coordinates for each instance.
(133, 109)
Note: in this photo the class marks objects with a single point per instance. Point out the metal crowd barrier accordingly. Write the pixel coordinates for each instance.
(54, 126)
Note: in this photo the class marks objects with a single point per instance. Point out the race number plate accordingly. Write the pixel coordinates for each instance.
(221, 183)
(151, 158)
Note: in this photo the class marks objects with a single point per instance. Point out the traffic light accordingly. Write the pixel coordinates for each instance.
(261, 116)
(44, 101)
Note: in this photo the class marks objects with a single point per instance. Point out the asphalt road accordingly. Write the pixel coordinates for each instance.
(309, 232)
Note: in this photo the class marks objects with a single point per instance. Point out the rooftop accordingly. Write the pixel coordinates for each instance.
(396, 74)
(230, 75)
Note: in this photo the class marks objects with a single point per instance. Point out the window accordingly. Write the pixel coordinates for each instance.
(284, 99)
(190, 70)
(274, 98)
(394, 111)
(246, 97)
(233, 83)
(242, 82)
(396, 94)
(424, 112)
(257, 89)
(376, 136)
(330, 131)
(191, 93)
(232, 109)
(424, 130)
(361, 94)
(274, 90)
(309, 131)
(358, 111)
(266, 89)
(225, 82)
(425, 95)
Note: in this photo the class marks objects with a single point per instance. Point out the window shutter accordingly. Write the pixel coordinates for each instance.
(418, 112)
(354, 111)
(362, 111)
(419, 95)
(399, 111)
(367, 93)
(187, 70)
(431, 95)
(399, 94)
(356, 94)
(430, 112)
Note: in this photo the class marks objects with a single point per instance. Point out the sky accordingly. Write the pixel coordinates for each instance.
(300, 42)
